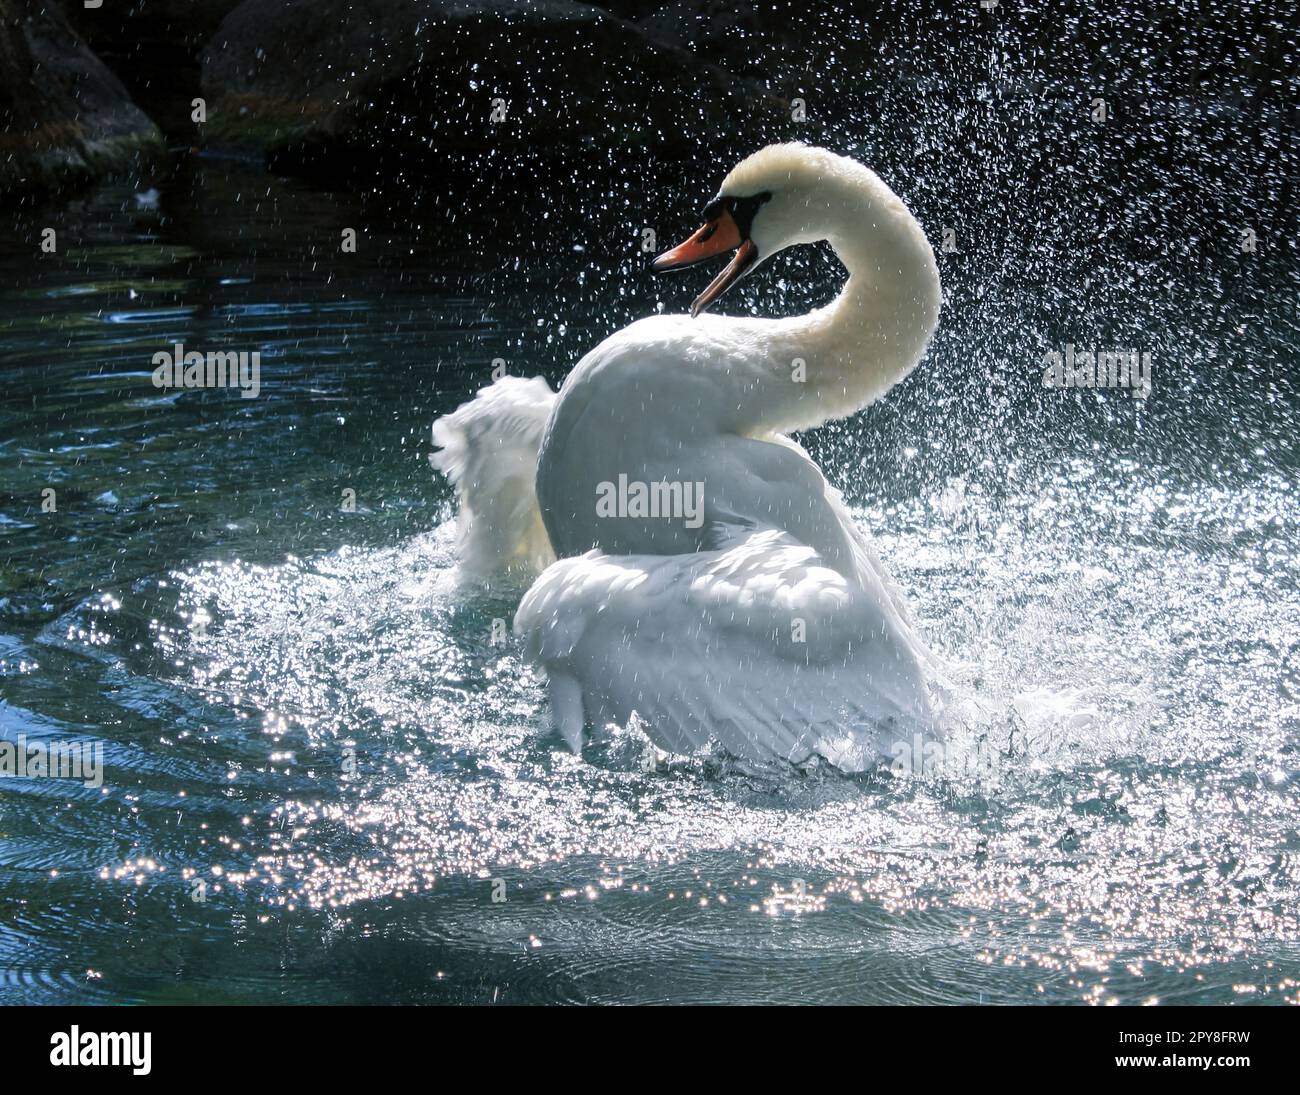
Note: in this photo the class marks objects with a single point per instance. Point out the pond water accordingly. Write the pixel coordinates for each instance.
(324, 782)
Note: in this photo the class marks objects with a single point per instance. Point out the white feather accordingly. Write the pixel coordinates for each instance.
(489, 452)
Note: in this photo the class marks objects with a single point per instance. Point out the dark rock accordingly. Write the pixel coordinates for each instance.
(630, 9)
(385, 83)
(153, 47)
(746, 39)
(65, 119)
(797, 48)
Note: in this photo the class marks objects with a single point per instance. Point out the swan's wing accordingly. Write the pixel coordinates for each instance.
(867, 560)
(756, 647)
(489, 452)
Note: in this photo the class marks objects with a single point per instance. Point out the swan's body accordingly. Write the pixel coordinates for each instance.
(762, 622)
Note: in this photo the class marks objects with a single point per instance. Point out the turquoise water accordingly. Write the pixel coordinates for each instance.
(301, 711)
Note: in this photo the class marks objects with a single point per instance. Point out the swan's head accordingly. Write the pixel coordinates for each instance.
(780, 196)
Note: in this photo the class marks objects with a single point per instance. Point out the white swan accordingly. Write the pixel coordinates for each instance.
(763, 623)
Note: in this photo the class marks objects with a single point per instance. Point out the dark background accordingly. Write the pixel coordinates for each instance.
(625, 115)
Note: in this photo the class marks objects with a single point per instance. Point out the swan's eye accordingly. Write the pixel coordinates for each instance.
(715, 209)
(744, 209)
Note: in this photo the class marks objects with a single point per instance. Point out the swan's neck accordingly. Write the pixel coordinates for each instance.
(839, 358)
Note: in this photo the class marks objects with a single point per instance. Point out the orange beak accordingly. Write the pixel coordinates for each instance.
(716, 237)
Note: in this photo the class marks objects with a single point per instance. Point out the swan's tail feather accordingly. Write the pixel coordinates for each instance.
(489, 452)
